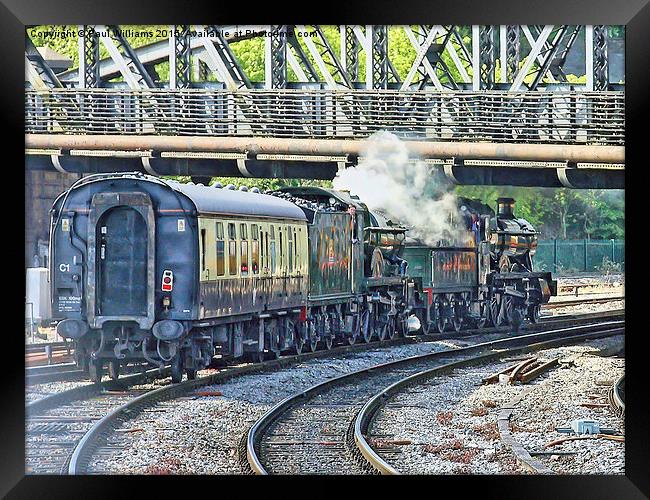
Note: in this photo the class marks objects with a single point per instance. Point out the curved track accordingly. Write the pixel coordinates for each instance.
(99, 409)
(321, 430)
(617, 396)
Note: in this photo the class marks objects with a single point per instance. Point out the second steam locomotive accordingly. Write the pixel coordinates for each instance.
(144, 269)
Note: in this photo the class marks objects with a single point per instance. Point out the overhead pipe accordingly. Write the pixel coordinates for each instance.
(331, 147)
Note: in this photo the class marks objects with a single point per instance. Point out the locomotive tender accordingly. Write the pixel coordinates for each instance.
(144, 269)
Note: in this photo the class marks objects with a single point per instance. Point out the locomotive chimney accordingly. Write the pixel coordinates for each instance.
(505, 208)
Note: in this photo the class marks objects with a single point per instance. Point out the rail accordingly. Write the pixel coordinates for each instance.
(544, 117)
(498, 347)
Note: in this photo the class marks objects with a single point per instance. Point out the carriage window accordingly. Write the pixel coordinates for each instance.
(291, 255)
(203, 249)
(243, 234)
(221, 250)
(244, 258)
(272, 253)
(232, 249)
(295, 249)
(255, 249)
(281, 249)
(221, 258)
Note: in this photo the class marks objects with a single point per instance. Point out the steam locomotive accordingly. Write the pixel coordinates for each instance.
(144, 269)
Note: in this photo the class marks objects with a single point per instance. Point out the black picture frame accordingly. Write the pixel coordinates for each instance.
(635, 14)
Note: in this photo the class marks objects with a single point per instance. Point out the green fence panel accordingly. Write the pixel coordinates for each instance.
(575, 256)
(570, 256)
(544, 258)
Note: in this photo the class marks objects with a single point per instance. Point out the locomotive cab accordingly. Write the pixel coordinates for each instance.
(383, 247)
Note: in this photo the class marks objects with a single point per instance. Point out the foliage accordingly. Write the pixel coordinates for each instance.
(262, 184)
(250, 53)
(559, 212)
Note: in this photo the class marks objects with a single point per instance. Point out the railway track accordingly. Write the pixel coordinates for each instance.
(53, 373)
(68, 372)
(616, 396)
(99, 409)
(577, 302)
(56, 423)
(323, 429)
(47, 353)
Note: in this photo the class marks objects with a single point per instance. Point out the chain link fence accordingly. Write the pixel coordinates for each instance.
(577, 256)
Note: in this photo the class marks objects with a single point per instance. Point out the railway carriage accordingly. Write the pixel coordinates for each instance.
(144, 269)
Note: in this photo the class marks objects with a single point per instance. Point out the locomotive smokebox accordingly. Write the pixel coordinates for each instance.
(506, 208)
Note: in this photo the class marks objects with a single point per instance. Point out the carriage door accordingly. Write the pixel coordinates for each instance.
(122, 273)
(122, 260)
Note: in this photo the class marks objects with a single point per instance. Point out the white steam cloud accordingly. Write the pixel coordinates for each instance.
(407, 192)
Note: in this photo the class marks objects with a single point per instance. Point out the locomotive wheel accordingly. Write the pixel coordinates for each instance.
(484, 312)
(495, 310)
(191, 373)
(298, 343)
(114, 369)
(508, 310)
(440, 321)
(256, 357)
(95, 370)
(425, 326)
(383, 329)
(366, 326)
(533, 313)
(177, 369)
(313, 339)
(391, 327)
(356, 326)
(456, 321)
(516, 318)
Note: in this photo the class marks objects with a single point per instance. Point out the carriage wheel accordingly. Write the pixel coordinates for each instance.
(114, 369)
(95, 370)
(191, 373)
(177, 368)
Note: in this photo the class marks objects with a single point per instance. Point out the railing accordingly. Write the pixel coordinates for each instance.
(571, 256)
(495, 116)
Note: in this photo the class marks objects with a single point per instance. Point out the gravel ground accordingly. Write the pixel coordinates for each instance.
(51, 437)
(559, 400)
(200, 434)
(614, 283)
(451, 422)
(584, 308)
(39, 391)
